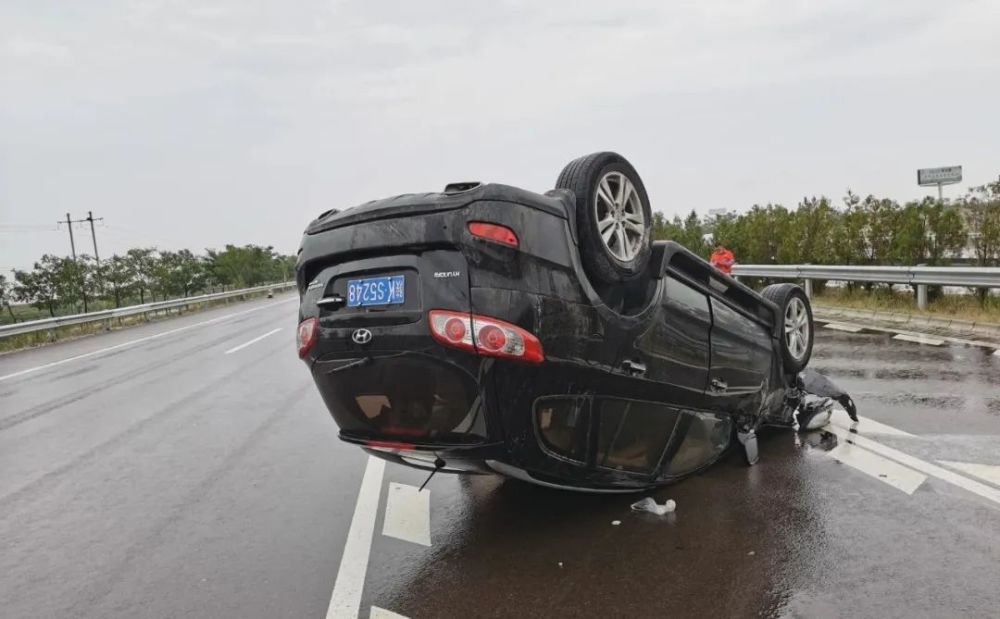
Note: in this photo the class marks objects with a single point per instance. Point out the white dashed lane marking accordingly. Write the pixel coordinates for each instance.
(882, 469)
(253, 341)
(381, 613)
(898, 469)
(931, 470)
(345, 602)
(919, 339)
(140, 340)
(836, 326)
(868, 426)
(408, 514)
(986, 472)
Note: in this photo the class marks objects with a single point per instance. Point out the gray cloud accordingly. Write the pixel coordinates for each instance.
(201, 123)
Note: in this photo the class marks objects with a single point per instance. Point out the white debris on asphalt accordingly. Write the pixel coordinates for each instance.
(648, 504)
(616, 522)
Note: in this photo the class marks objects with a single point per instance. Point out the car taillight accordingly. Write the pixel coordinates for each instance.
(452, 329)
(493, 232)
(485, 336)
(305, 336)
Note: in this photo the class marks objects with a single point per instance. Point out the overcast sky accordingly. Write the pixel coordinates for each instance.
(196, 124)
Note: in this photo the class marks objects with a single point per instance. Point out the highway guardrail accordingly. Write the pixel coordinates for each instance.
(920, 276)
(51, 324)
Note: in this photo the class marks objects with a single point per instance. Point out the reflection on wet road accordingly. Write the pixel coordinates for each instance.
(811, 531)
(169, 479)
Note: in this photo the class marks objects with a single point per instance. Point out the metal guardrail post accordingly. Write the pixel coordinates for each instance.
(809, 288)
(922, 294)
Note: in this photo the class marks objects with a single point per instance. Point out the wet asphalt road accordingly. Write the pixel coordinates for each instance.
(167, 478)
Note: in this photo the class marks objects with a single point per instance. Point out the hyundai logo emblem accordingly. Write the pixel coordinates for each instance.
(361, 336)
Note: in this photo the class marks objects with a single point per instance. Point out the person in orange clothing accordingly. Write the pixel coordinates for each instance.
(723, 259)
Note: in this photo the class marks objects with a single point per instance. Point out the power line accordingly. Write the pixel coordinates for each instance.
(46, 227)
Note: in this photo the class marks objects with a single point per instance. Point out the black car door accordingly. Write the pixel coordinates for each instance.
(662, 370)
(671, 350)
(741, 351)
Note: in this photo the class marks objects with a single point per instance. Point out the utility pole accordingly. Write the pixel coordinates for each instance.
(97, 257)
(72, 246)
(93, 235)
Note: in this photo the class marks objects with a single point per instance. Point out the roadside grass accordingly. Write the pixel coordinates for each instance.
(900, 300)
(41, 338)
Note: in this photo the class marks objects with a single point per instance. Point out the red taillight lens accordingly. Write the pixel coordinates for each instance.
(493, 232)
(305, 335)
(485, 336)
(491, 338)
(454, 330)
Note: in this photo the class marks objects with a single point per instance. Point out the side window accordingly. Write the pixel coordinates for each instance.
(699, 439)
(564, 425)
(682, 295)
(632, 435)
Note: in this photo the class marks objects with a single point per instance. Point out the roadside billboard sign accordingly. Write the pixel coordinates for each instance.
(939, 176)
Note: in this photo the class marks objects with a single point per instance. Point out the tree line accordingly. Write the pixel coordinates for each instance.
(859, 231)
(59, 284)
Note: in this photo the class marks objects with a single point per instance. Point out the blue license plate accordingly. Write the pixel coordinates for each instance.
(375, 291)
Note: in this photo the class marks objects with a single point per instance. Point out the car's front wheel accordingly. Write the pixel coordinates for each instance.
(613, 216)
(796, 324)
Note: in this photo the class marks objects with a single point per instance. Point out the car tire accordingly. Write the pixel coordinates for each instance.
(797, 331)
(613, 216)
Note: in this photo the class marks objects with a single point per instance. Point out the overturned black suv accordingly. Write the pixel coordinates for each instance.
(545, 337)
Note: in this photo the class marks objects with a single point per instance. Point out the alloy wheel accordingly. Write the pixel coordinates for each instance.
(619, 216)
(797, 331)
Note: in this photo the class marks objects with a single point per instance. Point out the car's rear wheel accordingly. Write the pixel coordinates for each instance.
(796, 324)
(613, 216)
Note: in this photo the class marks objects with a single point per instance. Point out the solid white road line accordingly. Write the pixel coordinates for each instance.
(987, 472)
(141, 340)
(927, 468)
(882, 469)
(346, 599)
(381, 613)
(253, 341)
(408, 514)
(836, 326)
(867, 426)
(919, 339)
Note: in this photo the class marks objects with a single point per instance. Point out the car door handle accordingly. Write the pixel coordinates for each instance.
(332, 302)
(634, 368)
(719, 385)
